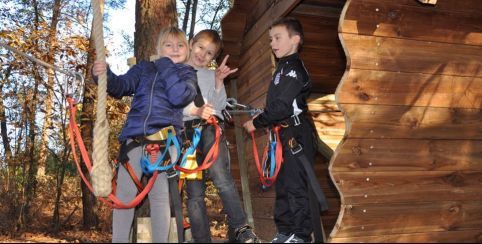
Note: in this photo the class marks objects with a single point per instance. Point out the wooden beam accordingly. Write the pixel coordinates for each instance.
(278, 9)
(433, 2)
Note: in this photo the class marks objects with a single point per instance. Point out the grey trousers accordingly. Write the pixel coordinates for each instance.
(158, 199)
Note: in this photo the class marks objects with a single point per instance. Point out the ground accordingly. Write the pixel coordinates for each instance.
(39, 228)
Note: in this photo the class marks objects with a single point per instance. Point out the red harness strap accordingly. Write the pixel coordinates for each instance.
(266, 180)
(212, 155)
(131, 172)
(111, 200)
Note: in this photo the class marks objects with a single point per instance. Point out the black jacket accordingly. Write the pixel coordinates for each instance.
(287, 92)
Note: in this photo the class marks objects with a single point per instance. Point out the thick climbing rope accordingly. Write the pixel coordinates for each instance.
(101, 173)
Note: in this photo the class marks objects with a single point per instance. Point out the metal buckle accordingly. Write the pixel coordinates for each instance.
(272, 136)
(115, 164)
(296, 119)
(171, 173)
(295, 147)
(162, 134)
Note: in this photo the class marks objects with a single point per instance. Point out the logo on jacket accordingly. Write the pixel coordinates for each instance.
(292, 74)
(277, 78)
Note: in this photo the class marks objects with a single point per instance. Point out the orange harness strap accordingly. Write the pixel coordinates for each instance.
(212, 155)
(111, 200)
(264, 175)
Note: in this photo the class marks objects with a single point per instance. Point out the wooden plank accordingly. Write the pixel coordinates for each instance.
(256, 86)
(387, 18)
(384, 122)
(401, 155)
(324, 83)
(256, 66)
(411, 89)
(233, 49)
(470, 6)
(395, 186)
(453, 236)
(317, 10)
(233, 24)
(278, 9)
(260, 48)
(243, 168)
(409, 218)
(257, 12)
(401, 55)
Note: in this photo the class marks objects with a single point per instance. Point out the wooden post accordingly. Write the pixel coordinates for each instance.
(144, 230)
(243, 166)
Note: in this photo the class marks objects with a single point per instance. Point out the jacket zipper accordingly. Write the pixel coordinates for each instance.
(150, 104)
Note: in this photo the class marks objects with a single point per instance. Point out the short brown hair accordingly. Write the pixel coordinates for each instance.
(293, 26)
(212, 36)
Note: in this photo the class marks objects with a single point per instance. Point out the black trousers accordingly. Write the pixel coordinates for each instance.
(292, 205)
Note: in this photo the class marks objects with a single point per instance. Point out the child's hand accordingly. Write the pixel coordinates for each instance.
(249, 126)
(205, 111)
(99, 68)
(223, 71)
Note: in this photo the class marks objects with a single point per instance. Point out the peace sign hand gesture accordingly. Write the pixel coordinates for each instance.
(223, 71)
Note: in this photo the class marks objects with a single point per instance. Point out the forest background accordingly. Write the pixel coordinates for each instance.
(42, 198)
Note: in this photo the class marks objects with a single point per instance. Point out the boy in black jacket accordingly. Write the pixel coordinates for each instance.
(286, 106)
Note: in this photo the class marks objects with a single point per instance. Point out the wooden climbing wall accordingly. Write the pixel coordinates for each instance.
(410, 166)
(246, 40)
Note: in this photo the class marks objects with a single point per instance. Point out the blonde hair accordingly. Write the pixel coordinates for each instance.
(212, 36)
(168, 32)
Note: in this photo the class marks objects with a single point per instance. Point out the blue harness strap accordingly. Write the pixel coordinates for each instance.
(196, 138)
(149, 168)
(271, 156)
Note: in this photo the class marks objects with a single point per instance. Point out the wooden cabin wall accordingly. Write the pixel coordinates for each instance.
(410, 167)
(324, 58)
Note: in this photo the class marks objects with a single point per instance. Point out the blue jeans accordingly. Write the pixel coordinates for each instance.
(220, 174)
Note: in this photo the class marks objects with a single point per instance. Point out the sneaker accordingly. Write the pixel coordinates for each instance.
(280, 238)
(242, 234)
(294, 239)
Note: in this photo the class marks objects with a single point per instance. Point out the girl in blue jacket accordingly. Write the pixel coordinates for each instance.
(160, 90)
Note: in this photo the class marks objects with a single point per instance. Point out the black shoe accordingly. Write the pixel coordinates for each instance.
(242, 234)
(280, 238)
(295, 239)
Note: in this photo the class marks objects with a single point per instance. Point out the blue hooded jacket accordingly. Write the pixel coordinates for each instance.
(161, 90)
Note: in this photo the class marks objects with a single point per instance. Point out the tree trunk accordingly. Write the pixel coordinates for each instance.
(151, 17)
(30, 164)
(186, 16)
(60, 181)
(52, 49)
(3, 130)
(193, 19)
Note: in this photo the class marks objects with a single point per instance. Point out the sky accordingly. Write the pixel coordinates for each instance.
(120, 21)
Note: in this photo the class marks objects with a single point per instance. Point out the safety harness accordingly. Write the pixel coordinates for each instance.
(273, 152)
(111, 200)
(150, 164)
(212, 154)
